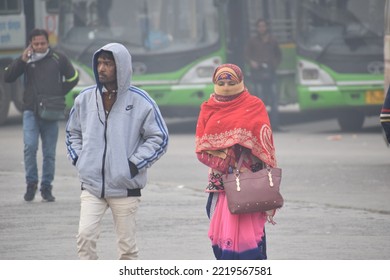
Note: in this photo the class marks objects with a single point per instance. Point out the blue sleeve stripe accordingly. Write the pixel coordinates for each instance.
(160, 124)
(68, 143)
(69, 148)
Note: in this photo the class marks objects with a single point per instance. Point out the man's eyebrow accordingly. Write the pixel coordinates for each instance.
(106, 60)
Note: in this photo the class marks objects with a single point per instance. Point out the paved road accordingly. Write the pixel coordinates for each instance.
(336, 187)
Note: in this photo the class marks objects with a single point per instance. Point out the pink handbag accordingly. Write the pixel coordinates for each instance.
(249, 192)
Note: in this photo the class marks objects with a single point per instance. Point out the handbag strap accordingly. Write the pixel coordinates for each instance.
(240, 160)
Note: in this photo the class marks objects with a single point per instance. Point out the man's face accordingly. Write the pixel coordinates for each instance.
(262, 27)
(39, 44)
(106, 69)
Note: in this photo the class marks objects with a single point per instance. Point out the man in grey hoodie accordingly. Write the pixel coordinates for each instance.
(114, 133)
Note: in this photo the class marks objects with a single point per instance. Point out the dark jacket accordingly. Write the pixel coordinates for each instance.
(264, 52)
(53, 75)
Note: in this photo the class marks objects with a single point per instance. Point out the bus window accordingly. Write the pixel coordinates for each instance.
(10, 7)
(144, 26)
(52, 6)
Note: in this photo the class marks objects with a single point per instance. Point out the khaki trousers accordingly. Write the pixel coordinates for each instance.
(124, 214)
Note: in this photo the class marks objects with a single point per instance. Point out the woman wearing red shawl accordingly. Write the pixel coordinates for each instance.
(231, 122)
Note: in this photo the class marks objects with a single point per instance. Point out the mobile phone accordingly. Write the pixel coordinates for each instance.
(30, 51)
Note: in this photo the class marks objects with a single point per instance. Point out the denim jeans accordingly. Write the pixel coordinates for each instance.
(33, 127)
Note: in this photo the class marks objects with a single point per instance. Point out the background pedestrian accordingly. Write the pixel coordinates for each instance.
(263, 56)
(47, 74)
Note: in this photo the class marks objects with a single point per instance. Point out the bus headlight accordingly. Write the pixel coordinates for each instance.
(201, 72)
(205, 71)
(310, 74)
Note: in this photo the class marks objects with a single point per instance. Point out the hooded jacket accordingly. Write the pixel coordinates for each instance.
(103, 148)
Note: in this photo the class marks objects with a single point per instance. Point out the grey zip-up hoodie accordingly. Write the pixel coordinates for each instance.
(102, 149)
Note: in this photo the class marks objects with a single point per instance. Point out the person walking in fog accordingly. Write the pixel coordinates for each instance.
(385, 117)
(230, 123)
(47, 73)
(115, 132)
(263, 56)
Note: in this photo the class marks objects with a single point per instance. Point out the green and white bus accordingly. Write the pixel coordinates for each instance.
(340, 58)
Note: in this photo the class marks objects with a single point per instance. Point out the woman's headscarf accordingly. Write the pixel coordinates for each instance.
(228, 72)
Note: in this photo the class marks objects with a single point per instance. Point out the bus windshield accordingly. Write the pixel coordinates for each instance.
(143, 26)
(340, 27)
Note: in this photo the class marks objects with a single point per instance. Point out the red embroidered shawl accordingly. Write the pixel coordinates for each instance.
(243, 121)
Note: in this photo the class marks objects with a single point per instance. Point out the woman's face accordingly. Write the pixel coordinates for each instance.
(227, 87)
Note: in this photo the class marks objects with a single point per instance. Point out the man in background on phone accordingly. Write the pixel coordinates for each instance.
(46, 73)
